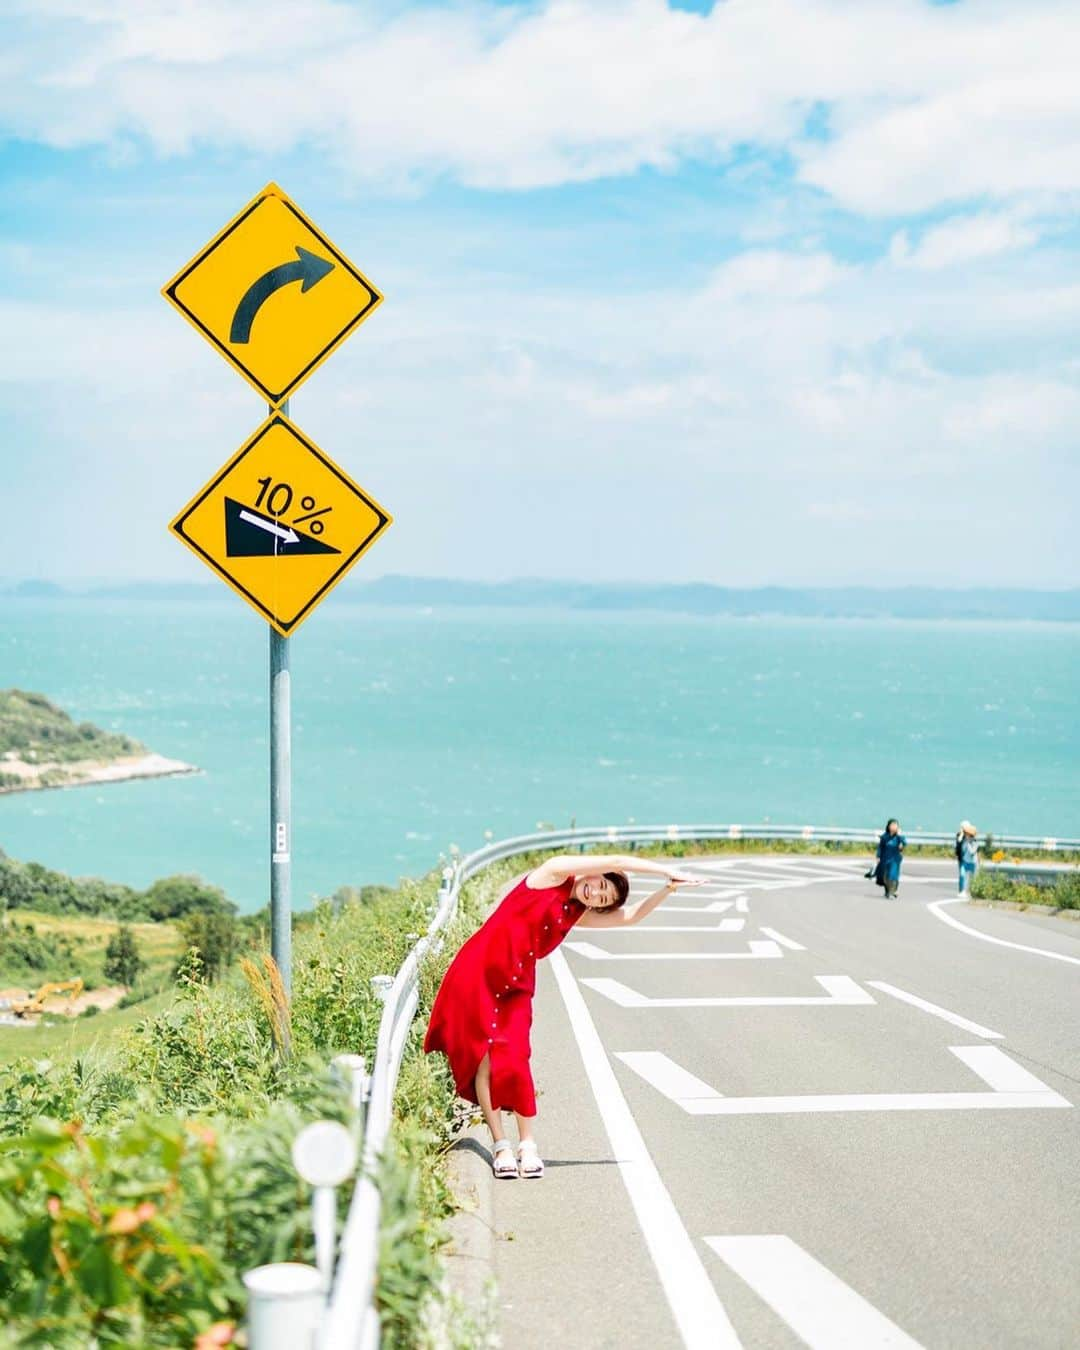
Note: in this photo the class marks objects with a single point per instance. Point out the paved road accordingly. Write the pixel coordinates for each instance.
(812, 1116)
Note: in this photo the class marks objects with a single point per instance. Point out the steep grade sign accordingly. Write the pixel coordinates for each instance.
(281, 523)
(272, 294)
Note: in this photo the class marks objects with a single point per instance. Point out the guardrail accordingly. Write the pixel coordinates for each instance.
(350, 1321)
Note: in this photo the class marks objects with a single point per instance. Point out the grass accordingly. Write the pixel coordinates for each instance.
(60, 1038)
(78, 945)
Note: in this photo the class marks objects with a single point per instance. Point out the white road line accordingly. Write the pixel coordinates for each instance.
(840, 990)
(742, 905)
(933, 1008)
(700, 1316)
(934, 906)
(820, 1308)
(759, 951)
(717, 907)
(665, 1075)
(721, 926)
(783, 941)
(996, 1068)
(1011, 1087)
(723, 897)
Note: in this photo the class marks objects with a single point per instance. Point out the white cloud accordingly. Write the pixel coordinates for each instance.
(926, 104)
(963, 239)
(772, 272)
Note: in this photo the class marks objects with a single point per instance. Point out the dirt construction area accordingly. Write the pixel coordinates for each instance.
(108, 996)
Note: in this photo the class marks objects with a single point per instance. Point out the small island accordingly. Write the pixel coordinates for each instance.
(42, 747)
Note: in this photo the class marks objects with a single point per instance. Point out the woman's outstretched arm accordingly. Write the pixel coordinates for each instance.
(621, 918)
(556, 870)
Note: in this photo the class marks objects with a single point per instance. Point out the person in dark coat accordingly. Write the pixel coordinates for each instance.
(890, 854)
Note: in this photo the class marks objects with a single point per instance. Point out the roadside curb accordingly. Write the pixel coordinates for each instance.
(470, 1256)
(1053, 910)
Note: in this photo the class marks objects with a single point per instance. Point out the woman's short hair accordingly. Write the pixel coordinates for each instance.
(621, 883)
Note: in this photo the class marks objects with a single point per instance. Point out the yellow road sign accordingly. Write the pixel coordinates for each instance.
(272, 294)
(281, 523)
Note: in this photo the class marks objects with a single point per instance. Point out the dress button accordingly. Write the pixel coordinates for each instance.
(490, 1041)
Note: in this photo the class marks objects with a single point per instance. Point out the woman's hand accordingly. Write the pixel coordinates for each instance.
(677, 879)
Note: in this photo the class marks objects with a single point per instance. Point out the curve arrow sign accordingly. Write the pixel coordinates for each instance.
(308, 271)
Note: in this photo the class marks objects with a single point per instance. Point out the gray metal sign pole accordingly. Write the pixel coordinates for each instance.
(281, 802)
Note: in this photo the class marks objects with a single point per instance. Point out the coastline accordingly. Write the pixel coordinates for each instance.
(86, 772)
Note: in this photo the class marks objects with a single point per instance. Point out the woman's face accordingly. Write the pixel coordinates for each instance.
(894, 827)
(595, 891)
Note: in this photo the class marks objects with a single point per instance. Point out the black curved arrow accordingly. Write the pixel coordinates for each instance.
(309, 271)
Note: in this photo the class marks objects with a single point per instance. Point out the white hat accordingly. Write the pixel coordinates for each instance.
(966, 827)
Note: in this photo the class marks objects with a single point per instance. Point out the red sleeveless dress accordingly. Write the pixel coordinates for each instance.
(484, 1004)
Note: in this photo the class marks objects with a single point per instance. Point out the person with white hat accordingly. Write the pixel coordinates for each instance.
(967, 855)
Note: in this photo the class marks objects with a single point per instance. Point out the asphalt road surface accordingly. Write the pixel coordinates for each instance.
(785, 1111)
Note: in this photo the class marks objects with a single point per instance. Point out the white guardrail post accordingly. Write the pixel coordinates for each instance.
(288, 1308)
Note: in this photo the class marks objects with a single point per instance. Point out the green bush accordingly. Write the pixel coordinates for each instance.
(28, 885)
(1063, 894)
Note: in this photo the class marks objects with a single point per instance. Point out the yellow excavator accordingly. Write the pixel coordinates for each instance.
(30, 1006)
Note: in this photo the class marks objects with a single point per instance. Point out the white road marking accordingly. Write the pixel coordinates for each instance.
(820, 1308)
(699, 1315)
(934, 906)
(717, 907)
(840, 991)
(1011, 1087)
(665, 1075)
(759, 951)
(783, 941)
(724, 897)
(742, 905)
(933, 1008)
(721, 926)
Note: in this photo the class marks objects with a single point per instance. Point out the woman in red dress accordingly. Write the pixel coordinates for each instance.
(483, 1011)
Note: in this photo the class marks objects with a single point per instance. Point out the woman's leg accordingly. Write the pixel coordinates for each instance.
(483, 1096)
(524, 1124)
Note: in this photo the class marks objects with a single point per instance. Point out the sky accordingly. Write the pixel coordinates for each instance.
(761, 292)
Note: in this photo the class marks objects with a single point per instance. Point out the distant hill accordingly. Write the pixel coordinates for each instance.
(849, 602)
(33, 730)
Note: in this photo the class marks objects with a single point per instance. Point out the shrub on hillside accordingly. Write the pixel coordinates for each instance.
(123, 963)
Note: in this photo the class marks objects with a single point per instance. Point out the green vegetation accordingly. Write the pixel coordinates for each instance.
(1063, 894)
(35, 947)
(123, 962)
(36, 731)
(139, 1179)
(28, 885)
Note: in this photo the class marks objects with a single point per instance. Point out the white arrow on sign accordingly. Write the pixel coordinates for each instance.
(1011, 1085)
(841, 991)
(290, 536)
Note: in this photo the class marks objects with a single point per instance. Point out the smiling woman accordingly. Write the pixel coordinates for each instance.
(482, 1014)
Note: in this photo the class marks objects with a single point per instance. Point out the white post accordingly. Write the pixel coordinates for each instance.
(285, 1306)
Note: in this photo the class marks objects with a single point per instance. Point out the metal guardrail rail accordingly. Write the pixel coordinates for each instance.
(351, 1322)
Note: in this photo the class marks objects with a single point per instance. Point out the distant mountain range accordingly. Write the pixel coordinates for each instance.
(906, 602)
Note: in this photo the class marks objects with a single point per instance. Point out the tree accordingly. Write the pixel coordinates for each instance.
(215, 937)
(123, 964)
(177, 897)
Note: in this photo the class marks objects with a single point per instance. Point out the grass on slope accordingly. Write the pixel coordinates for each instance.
(38, 732)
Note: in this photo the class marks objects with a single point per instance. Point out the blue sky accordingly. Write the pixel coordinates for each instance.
(771, 291)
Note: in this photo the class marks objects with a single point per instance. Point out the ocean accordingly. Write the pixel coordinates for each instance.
(415, 730)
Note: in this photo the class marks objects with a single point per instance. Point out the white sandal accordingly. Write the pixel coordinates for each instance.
(530, 1166)
(502, 1160)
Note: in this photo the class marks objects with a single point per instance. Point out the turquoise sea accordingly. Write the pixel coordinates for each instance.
(415, 730)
